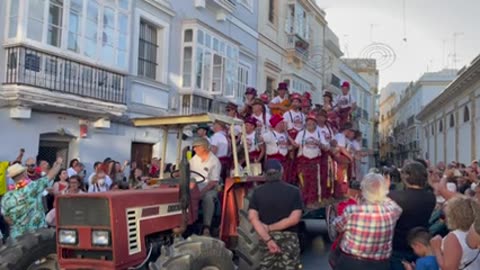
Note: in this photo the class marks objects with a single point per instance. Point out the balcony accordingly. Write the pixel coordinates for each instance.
(40, 77)
(297, 50)
(31, 67)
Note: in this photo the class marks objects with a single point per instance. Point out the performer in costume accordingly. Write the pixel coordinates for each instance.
(307, 167)
(344, 105)
(250, 95)
(277, 145)
(327, 162)
(260, 114)
(232, 111)
(294, 118)
(343, 159)
(332, 117)
(306, 105)
(256, 147)
(280, 104)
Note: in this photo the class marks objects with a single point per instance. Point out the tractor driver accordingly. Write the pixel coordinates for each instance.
(208, 165)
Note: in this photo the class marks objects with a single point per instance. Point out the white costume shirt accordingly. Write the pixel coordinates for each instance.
(326, 133)
(294, 120)
(344, 101)
(252, 142)
(278, 99)
(342, 140)
(219, 140)
(276, 143)
(309, 143)
(210, 169)
(263, 126)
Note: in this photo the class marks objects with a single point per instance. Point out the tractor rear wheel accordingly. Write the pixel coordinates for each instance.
(248, 247)
(195, 253)
(331, 211)
(31, 251)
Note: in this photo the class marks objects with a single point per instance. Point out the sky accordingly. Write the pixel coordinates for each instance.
(429, 27)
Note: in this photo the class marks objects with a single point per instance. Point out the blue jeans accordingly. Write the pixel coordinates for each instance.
(399, 256)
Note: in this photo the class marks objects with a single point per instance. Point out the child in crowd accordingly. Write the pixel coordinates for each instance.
(419, 240)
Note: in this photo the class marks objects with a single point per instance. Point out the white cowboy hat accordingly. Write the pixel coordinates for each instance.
(15, 170)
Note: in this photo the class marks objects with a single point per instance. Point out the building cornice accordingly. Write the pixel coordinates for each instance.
(466, 78)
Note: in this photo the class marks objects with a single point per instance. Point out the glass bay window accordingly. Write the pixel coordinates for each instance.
(211, 63)
(95, 29)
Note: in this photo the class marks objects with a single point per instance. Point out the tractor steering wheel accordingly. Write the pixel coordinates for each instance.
(172, 175)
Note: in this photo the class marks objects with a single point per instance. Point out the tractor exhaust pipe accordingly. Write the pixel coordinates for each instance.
(184, 191)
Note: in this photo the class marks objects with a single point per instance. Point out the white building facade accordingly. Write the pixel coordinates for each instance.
(291, 46)
(417, 95)
(74, 72)
(450, 123)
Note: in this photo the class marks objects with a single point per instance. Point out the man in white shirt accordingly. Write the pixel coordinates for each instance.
(344, 104)
(278, 144)
(207, 164)
(307, 164)
(280, 104)
(344, 159)
(219, 146)
(294, 117)
(355, 149)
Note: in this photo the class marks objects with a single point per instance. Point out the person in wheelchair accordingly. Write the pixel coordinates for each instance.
(206, 168)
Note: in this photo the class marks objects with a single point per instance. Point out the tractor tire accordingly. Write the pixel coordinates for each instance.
(37, 250)
(195, 253)
(248, 248)
(331, 214)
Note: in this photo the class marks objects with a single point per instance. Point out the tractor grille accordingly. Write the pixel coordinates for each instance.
(83, 212)
(132, 231)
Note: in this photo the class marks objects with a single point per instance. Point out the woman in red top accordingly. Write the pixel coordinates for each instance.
(62, 183)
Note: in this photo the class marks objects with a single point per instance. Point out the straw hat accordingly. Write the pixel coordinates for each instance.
(15, 170)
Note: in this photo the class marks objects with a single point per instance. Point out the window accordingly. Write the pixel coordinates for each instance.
(271, 11)
(74, 25)
(104, 24)
(212, 61)
(55, 14)
(440, 125)
(299, 86)
(147, 51)
(270, 86)
(466, 114)
(35, 19)
(243, 80)
(297, 21)
(13, 19)
(452, 120)
(433, 129)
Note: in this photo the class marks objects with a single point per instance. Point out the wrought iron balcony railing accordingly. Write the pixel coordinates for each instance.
(32, 67)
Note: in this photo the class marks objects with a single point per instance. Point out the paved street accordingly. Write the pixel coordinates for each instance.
(315, 258)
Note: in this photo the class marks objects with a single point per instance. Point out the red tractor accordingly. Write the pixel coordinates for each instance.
(143, 229)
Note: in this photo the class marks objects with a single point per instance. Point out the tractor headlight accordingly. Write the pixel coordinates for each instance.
(67, 237)
(101, 238)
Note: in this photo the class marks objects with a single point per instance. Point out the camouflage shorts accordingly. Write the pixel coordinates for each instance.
(289, 259)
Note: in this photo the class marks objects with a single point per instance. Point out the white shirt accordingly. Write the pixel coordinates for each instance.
(98, 188)
(108, 180)
(252, 142)
(294, 120)
(468, 254)
(71, 172)
(278, 99)
(276, 143)
(210, 169)
(344, 101)
(342, 140)
(309, 143)
(354, 146)
(219, 140)
(326, 133)
(263, 125)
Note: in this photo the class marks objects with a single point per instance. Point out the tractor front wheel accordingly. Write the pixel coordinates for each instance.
(195, 253)
(31, 251)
